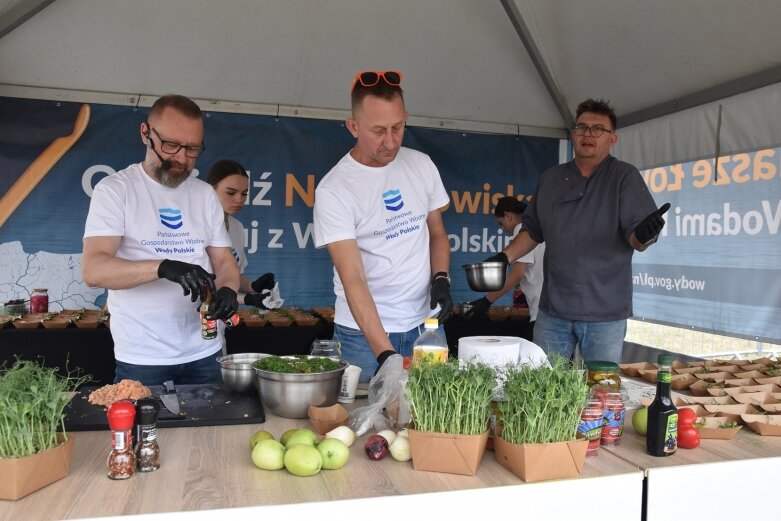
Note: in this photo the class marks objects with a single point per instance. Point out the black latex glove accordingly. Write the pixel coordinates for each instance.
(650, 227)
(382, 357)
(440, 294)
(265, 281)
(255, 299)
(478, 308)
(224, 303)
(191, 277)
(499, 257)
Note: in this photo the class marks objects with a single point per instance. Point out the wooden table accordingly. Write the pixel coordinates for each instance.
(739, 477)
(208, 468)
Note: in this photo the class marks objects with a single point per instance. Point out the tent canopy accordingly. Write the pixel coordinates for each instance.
(499, 66)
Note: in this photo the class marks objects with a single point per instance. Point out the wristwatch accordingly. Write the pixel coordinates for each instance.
(441, 275)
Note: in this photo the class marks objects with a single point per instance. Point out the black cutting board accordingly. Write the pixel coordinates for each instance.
(200, 405)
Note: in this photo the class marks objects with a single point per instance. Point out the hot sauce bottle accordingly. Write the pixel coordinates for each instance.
(662, 437)
(121, 459)
(208, 324)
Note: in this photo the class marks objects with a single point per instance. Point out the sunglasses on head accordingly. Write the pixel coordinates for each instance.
(372, 78)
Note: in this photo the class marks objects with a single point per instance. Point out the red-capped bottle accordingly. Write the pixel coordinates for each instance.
(122, 458)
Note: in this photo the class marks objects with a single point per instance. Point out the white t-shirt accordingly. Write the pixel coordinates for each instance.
(154, 324)
(236, 233)
(531, 283)
(385, 210)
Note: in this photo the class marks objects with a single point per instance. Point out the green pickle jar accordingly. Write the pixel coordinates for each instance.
(604, 375)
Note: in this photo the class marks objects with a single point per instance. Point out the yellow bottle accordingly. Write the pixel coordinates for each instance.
(430, 347)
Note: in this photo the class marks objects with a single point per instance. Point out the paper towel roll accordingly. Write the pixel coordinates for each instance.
(495, 351)
(498, 351)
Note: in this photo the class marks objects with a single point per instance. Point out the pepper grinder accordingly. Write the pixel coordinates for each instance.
(147, 449)
(121, 459)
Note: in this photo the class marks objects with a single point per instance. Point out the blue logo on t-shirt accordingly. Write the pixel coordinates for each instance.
(392, 200)
(171, 217)
(235, 255)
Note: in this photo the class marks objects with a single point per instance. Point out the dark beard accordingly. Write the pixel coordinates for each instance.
(170, 180)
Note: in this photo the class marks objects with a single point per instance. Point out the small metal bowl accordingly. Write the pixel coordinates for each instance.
(237, 371)
(290, 394)
(486, 276)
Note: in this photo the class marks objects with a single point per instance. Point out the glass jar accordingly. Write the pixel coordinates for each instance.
(613, 423)
(39, 300)
(329, 348)
(605, 375)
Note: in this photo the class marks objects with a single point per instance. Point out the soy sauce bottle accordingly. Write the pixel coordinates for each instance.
(662, 437)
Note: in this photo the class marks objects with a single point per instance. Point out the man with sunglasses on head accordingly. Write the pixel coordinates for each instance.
(379, 213)
(154, 233)
(592, 213)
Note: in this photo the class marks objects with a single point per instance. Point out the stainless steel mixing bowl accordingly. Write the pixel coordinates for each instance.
(237, 371)
(290, 394)
(486, 276)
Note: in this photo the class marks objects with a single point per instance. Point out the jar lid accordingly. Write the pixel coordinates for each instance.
(40, 289)
(600, 365)
(665, 359)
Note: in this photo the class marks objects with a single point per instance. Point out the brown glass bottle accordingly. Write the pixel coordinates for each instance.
(662, 437)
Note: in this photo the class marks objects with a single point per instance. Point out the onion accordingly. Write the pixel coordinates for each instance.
(388, 435)
(399, 449)
(342, 433)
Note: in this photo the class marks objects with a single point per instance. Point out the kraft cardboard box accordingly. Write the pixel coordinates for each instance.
(763, 424)
(450, 453)
(542, 461)
(22, 476)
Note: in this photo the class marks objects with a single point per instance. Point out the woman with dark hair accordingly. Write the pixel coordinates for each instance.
(526, 273)
(231, 182)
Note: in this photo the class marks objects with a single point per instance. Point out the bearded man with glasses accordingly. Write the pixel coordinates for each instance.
(592, 213)
(152, 224)
(379, 213)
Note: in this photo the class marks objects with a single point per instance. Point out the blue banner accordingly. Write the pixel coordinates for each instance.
(40, 242)
(716, 266)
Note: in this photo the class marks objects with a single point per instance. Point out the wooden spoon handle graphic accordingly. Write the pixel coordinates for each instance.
(41, 166)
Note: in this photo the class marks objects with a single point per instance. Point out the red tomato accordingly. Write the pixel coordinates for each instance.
(688, 437)
(686, 417)
(405, 362)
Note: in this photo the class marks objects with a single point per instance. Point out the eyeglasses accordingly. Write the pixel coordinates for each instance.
(372, 78)
(172, 147)
(595, 131)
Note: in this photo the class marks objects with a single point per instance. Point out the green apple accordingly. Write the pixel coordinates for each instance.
(286, 435)
(302, 436)
(269, 455)
(303, 460)
(640, 421)
(334, 452)
(258, 436)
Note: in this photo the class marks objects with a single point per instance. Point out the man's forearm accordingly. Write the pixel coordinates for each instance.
(101, 270)
(519, 246)
(364, 311)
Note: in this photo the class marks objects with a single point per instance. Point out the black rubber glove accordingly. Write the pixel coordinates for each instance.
(499, 257)
(650, 227)
(382, 357)
(478, 308)
(440, 294)
(265, 281)
(224, 303)
(191, 277)
(255, 299)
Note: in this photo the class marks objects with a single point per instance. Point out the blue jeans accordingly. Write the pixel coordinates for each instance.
(203, 371)
(598, 340)
(356, 350)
